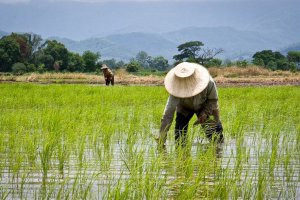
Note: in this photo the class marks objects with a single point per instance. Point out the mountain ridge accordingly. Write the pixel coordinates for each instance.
(237, 44)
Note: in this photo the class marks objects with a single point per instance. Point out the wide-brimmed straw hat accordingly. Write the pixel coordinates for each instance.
(186, 80)
(104, 66)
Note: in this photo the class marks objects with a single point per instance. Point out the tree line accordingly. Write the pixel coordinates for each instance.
(21, 53)
(274, 60)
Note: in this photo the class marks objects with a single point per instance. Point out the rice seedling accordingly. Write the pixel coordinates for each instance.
(90, 142)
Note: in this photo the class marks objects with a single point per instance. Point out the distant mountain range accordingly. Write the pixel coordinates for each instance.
(124, 46)
(236, 44)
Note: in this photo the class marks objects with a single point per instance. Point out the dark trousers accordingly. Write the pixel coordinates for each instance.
(110, 80)
(212, 132)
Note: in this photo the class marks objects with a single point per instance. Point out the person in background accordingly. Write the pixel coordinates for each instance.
(108, 75)
(192, 91)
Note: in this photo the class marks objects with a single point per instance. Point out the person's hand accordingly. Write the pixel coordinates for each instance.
(201, 119)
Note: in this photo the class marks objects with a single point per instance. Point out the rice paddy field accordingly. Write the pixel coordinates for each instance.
(96, 142)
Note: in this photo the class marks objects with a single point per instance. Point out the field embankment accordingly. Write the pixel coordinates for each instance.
(230, 76)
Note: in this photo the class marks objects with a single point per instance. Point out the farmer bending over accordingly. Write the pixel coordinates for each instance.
(192, 91)
(108, 75)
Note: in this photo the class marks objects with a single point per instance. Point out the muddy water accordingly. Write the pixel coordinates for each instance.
(246, 161)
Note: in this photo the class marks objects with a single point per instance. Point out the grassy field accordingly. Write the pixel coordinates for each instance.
(93, 142)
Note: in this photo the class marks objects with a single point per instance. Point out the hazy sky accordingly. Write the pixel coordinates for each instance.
(78, 20)
(99, 1)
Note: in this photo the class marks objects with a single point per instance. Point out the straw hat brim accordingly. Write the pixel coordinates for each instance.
(184, 87)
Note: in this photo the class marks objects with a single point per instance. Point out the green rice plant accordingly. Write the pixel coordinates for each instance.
(94, 142)
(261, 185)
(4, 194)
(45, 157)
(62, 156)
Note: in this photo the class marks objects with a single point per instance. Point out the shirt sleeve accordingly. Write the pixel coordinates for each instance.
(211, 106)
(168, 115)
(212, 93)
(111, 73)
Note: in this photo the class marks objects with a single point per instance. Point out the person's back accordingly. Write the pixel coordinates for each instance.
(108, 75)
(192, 91)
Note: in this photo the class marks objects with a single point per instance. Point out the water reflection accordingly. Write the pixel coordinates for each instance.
(198, 170)
(192, 169)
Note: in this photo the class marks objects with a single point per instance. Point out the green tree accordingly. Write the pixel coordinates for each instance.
(133, 66)
(293, 66)
(28, 44)
(271, 60)
(293, 56)
(40, 58)
(258, 62)
(266, 56)
(41, 68)
(159, 63)
(282, 64)
(19, 68)
(143, 58)
(75, 62)
(30, 68)
(9, 53)
(16, 48)
(278, 56)
(24, 46)
(193, 52)
(188, 51)
(34, 40)
(272, 65)
(58, 51)
(90, 60)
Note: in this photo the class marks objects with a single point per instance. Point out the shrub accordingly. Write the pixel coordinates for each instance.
(41, 68)
(272, 65)
(228, 63)
(293, 66)
(19, 68)
(215, 62)
(242, 63)
(30, 68)
(133, 66)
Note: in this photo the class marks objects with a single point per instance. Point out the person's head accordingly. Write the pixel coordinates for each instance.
(104, 67)
(186, 80)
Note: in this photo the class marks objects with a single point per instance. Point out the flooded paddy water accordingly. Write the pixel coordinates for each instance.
(81, 142)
